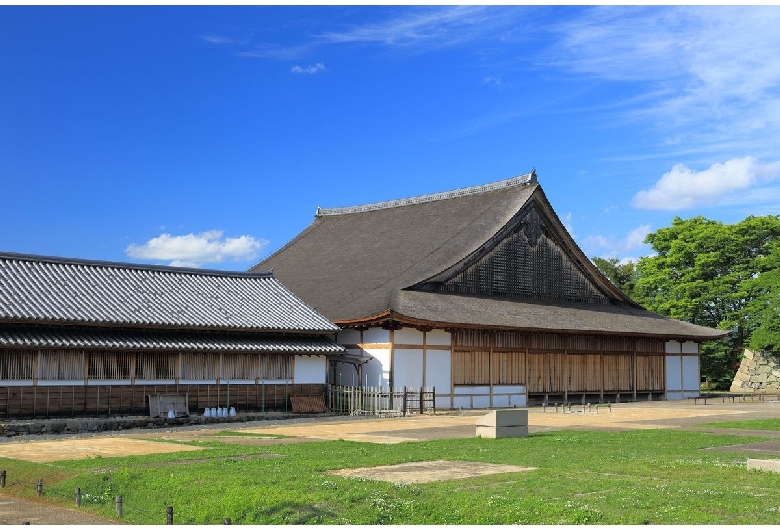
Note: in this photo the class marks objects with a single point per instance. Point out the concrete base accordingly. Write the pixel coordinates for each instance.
(509, 423)
(764, 465)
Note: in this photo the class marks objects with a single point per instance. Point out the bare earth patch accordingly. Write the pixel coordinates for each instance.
(432, 471)
(79, 448)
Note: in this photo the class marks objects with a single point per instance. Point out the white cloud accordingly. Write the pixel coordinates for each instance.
(684, 188)
(311, 69)
(602, 246)
(194, 250)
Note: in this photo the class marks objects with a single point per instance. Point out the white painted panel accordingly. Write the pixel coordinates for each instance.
(275, 382)
(408, 336)
(480, 402)
(443, 403)
(674, 396)
(507, 389)
(465, 390)
(673, 375)
(344, 374)
(518, 400)
(672, 346)
(690, 347)
(348, 336)
(408, 368)
(80, 382)
(374, 335)
(108, 382)
(377, 371)
(437, 370)
(461, 401)
(200, 381)
(310, 369)
(500, 401)
(438, 337)
(19, 382)
(691, 379)
(147, 382)
(226, 382)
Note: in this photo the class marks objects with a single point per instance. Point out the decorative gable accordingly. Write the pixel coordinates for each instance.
(525, 260)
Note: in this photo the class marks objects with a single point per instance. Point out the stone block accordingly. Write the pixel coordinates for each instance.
(504, 418)
(517, 431)
(764, 465)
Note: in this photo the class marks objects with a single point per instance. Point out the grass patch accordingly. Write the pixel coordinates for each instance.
(772, 424)
(632, 477)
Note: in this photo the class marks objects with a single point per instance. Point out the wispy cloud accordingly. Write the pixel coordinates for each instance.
(607, 247)
(711, 71)
(684, 188)
(311, 69)
(220, 40)
(195, 250)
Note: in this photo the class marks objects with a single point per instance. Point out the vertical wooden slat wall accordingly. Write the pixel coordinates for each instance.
(550, 363)
(34, 376)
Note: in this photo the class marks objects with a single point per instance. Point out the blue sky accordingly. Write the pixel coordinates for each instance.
(208, 136)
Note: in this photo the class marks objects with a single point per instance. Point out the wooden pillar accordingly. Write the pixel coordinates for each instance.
(424, 355)
(491, 342)
(633, 362)
(600, 346)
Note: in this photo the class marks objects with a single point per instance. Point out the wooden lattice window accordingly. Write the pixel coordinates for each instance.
(200, 366)
(156, 366)
(239, 366)
(275, 367)
(15, 365)
(109, 366)
(61, 365)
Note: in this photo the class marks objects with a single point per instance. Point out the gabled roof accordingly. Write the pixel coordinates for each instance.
(480, 256)
(51, 291)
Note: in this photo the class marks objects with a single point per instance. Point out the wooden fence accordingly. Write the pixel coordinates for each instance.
(381, 401)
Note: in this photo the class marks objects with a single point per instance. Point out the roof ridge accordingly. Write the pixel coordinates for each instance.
(520, 180)
(12, 256)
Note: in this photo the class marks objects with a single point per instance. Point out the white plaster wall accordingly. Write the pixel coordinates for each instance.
(691, 378)
(408, 367)
(377, 371)
(408, 336)
(344, 374)
(672, 346)
(348, 336)
(438, 337)
(311, 369)
(375, 335)
(673, 374)
(690, 347)
(438, 370)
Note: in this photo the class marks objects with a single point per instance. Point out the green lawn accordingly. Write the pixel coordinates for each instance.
(633, 477)
(758, 425)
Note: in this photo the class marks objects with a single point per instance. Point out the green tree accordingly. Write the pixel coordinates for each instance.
(622, 274)
(709, 273)
(763, 310)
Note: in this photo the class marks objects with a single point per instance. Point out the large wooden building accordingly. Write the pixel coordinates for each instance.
(84, 337)
(481, 293)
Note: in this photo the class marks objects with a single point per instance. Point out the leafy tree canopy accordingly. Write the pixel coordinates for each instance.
(717, 275)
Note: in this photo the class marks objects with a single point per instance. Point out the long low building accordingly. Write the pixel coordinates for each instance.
(82, 337)
(481, 293)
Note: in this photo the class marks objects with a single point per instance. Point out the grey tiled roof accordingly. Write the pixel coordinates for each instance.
(158, 340)
(37, 289)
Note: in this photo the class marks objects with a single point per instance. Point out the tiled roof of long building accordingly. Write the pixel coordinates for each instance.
(47, 290)
(108, 339)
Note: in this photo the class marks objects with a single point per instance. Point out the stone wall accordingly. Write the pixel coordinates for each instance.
(758, 372)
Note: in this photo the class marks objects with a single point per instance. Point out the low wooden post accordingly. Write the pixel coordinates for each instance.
(169, 515)
(226, 520)
(2, 478)
(403, 402)
(40, 487)
(78, 497)
(119, 506)
(422, 402)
